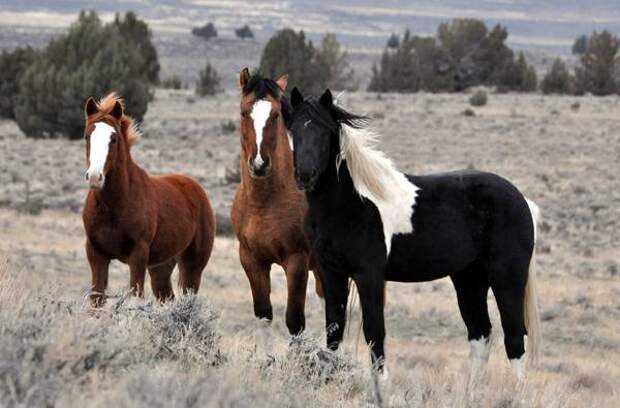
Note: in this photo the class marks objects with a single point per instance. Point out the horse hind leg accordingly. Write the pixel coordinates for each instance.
(472, 287)
(510, 294)
(160, 280)
(191, 265)
(195, 258)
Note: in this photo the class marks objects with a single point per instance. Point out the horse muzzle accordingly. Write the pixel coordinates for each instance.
(306, 181)
(95, 180)
(259, 168)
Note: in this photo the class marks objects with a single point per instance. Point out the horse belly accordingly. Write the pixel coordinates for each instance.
(440, 245)
(173, 236)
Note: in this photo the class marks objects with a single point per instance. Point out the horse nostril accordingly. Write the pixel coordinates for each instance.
(86, 175)
(100, 176)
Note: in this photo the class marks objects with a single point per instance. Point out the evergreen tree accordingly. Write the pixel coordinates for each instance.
(557, 80)
(12, 66)
(92, 59)
(288, 52)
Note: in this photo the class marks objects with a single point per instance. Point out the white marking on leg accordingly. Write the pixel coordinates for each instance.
(480, 349)
(260, 113)
(99, 148)
(518, 367)
(478, 358)
(376, 178)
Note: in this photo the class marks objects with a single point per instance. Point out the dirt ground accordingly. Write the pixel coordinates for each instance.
(562, 152)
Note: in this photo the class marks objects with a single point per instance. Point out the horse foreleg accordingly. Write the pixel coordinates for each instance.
(138, 261)
(99, 275)
(296, 268)
(336, 287)
(371, 290)
(258, 275)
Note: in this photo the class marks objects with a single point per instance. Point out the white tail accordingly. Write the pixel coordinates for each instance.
(530, 311)
(351, 309)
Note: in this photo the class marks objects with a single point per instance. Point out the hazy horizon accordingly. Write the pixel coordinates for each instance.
(360, 24)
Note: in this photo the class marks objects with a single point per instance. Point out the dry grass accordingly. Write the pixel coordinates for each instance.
(57, 352)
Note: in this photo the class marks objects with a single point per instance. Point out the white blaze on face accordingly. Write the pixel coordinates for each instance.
(260, 113)
(99, 148)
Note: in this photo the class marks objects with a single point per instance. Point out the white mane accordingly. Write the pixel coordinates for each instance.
(376, 178)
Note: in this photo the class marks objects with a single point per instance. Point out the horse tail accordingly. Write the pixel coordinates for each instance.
(530, 312)
(353, 302)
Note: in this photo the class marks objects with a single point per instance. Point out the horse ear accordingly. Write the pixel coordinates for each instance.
(244, 77)
(117, 111)
(91, 107)
(296, 98)
(327, 99)
(282, 82)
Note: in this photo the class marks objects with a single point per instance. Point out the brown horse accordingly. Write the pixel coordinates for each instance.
(268, 211)
(143, 221)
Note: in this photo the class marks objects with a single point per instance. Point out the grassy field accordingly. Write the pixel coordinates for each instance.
(55, 351)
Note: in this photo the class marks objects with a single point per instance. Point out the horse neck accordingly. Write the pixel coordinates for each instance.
(121, 181)
(281, 177)
(334, 189)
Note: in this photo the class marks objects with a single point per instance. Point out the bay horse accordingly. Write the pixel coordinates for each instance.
(268, 211)
(147, 222)
(372, 223)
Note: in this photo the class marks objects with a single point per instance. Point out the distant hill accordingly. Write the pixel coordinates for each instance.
(546, 24)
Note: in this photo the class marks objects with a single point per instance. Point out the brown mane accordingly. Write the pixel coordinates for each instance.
(128, 125)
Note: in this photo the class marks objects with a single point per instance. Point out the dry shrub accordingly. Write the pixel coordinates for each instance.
(50, 347)
(480, 98)
(590, 382)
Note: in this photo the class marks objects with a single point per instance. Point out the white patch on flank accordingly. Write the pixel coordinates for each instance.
(376, 178)
(518, 366)
(535, 211)
(260, 113)
(99, 148)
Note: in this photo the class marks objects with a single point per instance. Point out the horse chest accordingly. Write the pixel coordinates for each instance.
(111, 241)
(272, 235)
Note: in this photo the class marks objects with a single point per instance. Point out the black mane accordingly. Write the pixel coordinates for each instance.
(263, 87)
(332, 117)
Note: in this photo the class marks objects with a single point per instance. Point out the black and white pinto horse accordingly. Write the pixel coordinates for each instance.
(371, 223)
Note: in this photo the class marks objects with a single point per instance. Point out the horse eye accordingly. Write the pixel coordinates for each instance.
(244, 114)
(113, 139)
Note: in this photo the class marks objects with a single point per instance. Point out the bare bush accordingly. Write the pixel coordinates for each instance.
(480, 98)
(208, 82)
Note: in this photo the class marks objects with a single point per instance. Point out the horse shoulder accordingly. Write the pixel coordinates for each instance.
(238, 210)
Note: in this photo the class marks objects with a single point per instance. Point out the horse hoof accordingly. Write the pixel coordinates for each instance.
(97, 300)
